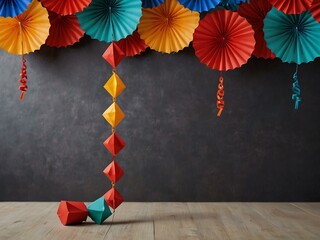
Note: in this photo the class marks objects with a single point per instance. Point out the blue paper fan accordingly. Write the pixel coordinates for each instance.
(110, 20)
(151, 3)
(12, 8)
(199, 5)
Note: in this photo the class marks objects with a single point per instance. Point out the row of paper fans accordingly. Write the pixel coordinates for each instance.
(227, 36)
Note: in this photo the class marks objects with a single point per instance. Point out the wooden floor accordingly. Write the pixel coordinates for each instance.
(168, 221)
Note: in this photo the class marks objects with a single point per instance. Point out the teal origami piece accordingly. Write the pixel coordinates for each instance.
(110, 20)
(99, 210)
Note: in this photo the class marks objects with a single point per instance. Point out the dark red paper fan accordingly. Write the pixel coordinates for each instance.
(291, 6)
(315, 10)
(66, 7)
(223, 40)
(132, 44)
(64, 30)
(255, 12)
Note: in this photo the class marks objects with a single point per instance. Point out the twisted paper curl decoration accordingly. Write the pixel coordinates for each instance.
(23, 78)
(220, 95)
(296, 91)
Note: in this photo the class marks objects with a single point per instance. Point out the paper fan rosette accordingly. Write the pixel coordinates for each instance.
(66, 7)
(255, 12)
(168, 27)
(291, 6)
(223, 41)
(12, 8)
(315, 10)
(151, 3)
(200, 5)
(294, 38)
(24, 34)
(64, 30)
(132, 45)
(110, 20)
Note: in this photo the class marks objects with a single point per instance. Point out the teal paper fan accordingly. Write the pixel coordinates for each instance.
(110, 20)
(294, 38)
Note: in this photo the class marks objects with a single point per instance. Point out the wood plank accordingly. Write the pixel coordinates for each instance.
(168, 221)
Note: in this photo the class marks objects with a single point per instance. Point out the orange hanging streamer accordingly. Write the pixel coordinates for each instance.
(23, 78)
(220, 95)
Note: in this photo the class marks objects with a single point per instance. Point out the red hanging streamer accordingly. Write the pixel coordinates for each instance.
(220, 95)
(23, 78)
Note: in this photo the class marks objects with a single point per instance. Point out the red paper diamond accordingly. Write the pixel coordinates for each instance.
(114, 144)
(113, 55)
(113, 198)
(72, 212)
(113, 172)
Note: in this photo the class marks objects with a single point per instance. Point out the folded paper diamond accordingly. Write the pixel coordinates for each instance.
(114, 85)
(113, 172)
(72, 212)
(114, 144)
(99, 210)
(113, 115)
(113, 198)
(113, 55)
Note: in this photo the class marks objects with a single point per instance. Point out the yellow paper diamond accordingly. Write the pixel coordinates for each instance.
(114, 85)
(113, 115)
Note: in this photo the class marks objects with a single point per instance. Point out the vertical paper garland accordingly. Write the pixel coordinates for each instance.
(114, 115)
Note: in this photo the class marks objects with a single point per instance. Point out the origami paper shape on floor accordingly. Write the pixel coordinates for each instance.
(64, 30)
(315, 10)
(199, 5)
(132, 45)
(113, 198)
(110, 20)
(291, 6)
(99, 210)
(114, 85)
(114, 144)
(27, 32)
(168, 27)
(12, 8)
(294, 38)
(151, 3)
(255, 12)
(66, 7)
(113, 55)
(113, 115)
(113, 171)
(223, 41)
(72, 212)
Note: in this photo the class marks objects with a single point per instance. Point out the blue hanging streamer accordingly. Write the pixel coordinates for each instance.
(296, 91)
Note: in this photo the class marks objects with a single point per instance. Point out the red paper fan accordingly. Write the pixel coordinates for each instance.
(132, 44)
(66, 7)
(255, 12)
(315, 10)
(291, 6)
(223, 40)
(64, 30)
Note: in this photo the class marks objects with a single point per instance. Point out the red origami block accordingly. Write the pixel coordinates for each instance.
(72, 212)
(113, 171)
(114, 144)
(113, 198)
(113, 55)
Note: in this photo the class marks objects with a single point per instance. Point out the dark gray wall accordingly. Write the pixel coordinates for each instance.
(177, 149)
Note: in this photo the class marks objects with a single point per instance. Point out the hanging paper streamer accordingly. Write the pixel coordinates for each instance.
(223, 41)
(220, 95)
(23, 78)
(296, 95)
(114, 115)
